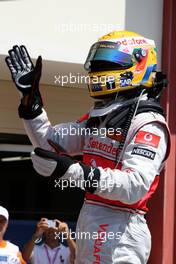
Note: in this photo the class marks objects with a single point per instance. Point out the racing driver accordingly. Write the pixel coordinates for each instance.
(119, 171)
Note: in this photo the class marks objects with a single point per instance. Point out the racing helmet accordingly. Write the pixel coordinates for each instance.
(120, 61)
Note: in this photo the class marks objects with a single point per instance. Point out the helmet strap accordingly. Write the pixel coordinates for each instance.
(160, 83)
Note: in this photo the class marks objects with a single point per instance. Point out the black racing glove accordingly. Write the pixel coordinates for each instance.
(26, 78)
(91, 175)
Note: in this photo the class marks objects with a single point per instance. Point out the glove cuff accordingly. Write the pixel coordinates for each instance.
(32, 108)
(91, 178)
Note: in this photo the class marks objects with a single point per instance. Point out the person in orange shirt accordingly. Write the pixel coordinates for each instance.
(9, 253)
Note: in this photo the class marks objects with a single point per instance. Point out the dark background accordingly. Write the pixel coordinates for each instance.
(29, 196)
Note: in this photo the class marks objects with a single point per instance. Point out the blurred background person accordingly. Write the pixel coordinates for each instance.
(9, 253)
(51, 251)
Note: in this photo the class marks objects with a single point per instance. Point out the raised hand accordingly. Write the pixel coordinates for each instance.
(24, 74)
(26, 77)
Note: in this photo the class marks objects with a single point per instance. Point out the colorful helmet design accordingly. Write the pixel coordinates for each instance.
(119, 61)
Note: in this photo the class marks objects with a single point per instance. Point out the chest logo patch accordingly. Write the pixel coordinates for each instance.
(147, 138)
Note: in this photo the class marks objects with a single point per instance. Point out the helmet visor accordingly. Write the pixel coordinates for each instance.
(106, 51)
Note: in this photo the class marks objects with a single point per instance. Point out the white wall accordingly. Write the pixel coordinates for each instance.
(59, 30)
(63, 31)
(146, 17)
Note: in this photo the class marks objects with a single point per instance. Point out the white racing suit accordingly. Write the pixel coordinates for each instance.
(111, 227)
